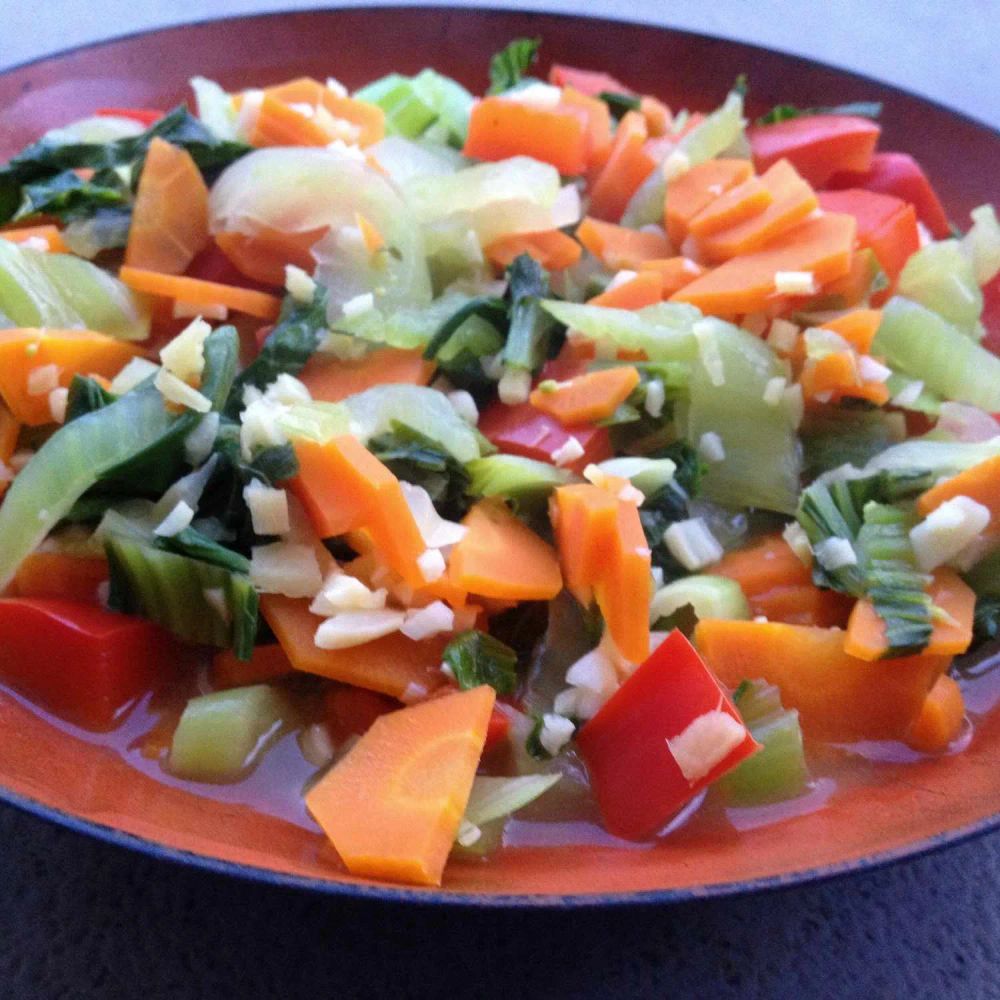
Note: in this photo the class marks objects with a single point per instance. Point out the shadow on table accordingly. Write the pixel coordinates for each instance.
(83, 919)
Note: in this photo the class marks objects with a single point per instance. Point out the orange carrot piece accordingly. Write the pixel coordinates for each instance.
(500, 128)
(61, 576)
(393, 665)
(264, 256)
(170, 216)
(738, 204)
(745, 284)
(49, 233)
(657, 115)
(980, 483)
(392, 806)
(501, 557)
(597, 117)
(941, 717)
(623, 591)
(73, 352)
(553, 249)
(588, 397)
(367, 119)
(279, 124)
(831, 378)
(618, 247)
(792, 200)
(696, 189)
(266, 663)
(803, 604)
(853, 288)
(628, 165)
(866, 630)
(838, 696)
(373, 239)
(344, 487)
(10, 431)
(645, 289)
(858, 327)
(199, 292)
(583, 517)
(674, 272)
(330, 379)
(763, 566)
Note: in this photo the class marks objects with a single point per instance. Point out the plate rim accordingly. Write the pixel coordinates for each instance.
(438, 897)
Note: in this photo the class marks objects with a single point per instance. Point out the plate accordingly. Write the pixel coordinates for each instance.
(68, 777)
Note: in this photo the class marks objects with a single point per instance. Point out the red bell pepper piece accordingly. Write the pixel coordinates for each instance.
(634, 772)
(144, 116)
(350, 711)
(523, 430)
(886, 225)
(991, 315)
(900, 175)
(818, 146)
(213, 265)
(80, 661)
(587, 81)
(497, 730)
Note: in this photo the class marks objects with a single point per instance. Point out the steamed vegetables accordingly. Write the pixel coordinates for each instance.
(565, 451)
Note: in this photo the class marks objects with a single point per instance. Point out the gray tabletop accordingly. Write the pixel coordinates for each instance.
(81, 919)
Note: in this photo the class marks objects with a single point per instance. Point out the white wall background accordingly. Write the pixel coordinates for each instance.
(943, 49)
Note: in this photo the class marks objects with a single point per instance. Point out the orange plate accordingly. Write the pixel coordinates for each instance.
(78, 782)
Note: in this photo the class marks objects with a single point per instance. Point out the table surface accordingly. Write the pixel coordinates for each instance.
(83, 919)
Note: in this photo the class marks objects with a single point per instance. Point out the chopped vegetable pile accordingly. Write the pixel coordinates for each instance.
(549, 445)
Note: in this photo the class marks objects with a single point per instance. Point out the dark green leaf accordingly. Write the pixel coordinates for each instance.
(193, 543)
(85, 396)
(785, 112)
(511, 63)
(67, 196)
(300, 329)
(619, 103)
(986, 620)
(476, 658)
(531, 327)
(487, 307)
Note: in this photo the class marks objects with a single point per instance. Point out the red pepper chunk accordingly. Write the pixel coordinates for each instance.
(144, 116)
(523, 430)
(638, 782)
(80, 661)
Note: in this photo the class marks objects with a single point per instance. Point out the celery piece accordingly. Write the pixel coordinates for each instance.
(940, 458)
(778, 770)
(413, 104)
(174, 589)
(61, 291)
(648, 475)
(920, 343)
(941, 277)
(848, 437)
(220, 736)
(492, 800)
(708, 596)
(523, 481)
(531, 326)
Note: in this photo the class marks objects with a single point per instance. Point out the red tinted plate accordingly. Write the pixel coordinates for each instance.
(72, 779)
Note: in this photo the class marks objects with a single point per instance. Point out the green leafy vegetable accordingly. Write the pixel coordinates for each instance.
(986, 620)
(531, 326)
(85, 396)
(785, 112)
(67, 196)
(487, 307)
(476, 658)
(619, 103)
(195, 545)
(510, 64)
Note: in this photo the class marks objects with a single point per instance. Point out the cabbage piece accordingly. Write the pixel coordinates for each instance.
(405, 160)
(296, 190)
(61, 291)
(95, 129)
(215, 108)
(517, 195)
(941, 277)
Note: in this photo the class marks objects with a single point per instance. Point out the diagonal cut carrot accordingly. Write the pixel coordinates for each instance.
(645, 289)
(627, 166)
(49, 233)
(201, 293)
(331, 379)
(674, 272)
(589, 397)
(619, 247)
(738, 204)
(552, 248)
(696, 189)
(980, 483)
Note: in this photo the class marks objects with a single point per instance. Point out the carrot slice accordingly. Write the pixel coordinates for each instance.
(500, 128)
(597, 116)
(657, 115)
(838, 696)
(858, 328)
(344, 487)
(628, 165)
(619, 247)
(696, 189)
(368, 119)
(803, 604)
(822, 246)
(330, 379)
(49, 233)
(866, 630)
(392, 806)
(279, 124)
(854, 288)
(941, 717)
(10, 431)
(264, 256)
(980, 483)
(674, 272)
(829, 379)
(589, 397)
(645, 289)
(583, 517)
(62, 576)
(553, 249)
(198, 292)
(72, 352)
(170, 216)
(738, 204)
(393, 664)
(266, 663)
(501, 557)
(792, 200)
(763, 566)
